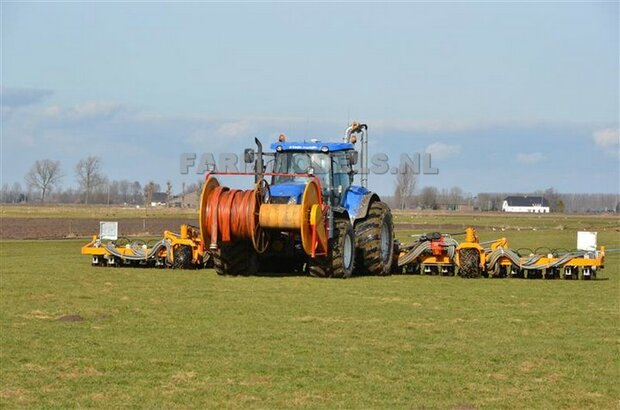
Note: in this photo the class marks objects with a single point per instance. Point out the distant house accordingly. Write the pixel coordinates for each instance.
(159, 199)
(187, 200)
(525, 203)
(459, 207)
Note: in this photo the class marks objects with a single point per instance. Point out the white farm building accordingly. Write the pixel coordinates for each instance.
(531, 204)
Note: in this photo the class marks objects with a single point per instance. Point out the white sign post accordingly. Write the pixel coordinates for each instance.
(586, 241)
(108, 230)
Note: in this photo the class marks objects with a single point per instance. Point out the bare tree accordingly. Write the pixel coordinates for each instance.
(113, 192)
(44, 175)
(149, 189)
(136, 192)
(456, 194)
(560, 206)
(13, 194)
(124, 187)
(168, 193)
(428, 197)
(553, 197)
(405, 186)
(455, 197)
(88, 173)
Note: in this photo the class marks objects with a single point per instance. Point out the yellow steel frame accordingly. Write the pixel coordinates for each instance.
(188, 236)
(472, 241)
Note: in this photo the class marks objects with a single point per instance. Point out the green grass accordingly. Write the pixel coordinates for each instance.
(163, 338)
(509, 222)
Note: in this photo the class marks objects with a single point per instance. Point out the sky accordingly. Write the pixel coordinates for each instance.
(507, 97)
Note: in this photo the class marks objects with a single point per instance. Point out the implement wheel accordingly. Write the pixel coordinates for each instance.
(470, 258)
(341, 259)
(375, 241)
(182, 257)
(235, 258)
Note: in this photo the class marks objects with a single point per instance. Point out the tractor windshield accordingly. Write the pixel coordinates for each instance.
(300, 162)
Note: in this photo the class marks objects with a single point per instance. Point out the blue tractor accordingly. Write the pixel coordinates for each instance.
(358, 226)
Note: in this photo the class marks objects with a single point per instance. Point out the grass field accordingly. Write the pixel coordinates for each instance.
(78, 336)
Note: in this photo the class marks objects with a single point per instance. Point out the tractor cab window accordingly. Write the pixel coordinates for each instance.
(342, 175)
(298, 162)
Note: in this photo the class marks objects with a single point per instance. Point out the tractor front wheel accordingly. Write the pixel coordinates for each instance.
(340, 261)
(375, 241)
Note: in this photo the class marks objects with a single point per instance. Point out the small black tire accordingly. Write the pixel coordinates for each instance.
(469, 263)
(182, 257)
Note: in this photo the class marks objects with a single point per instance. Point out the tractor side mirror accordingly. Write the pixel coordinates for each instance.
(353, 157)
(248, 155)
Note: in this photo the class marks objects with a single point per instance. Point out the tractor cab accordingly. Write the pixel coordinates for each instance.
(331, 163)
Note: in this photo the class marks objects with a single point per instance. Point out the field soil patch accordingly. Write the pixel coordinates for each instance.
(59, 228)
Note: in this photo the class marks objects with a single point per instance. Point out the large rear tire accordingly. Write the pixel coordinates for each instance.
(341, 259)
(235, 258)
(375, 241)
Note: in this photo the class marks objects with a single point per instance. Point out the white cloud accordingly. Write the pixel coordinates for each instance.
(89, 110)
(530, 158)
(606, 138)
(19, 97)
(96, 108)
(439, 150)
(426, 126)
(235, 129)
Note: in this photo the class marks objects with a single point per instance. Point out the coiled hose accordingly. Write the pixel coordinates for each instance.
(530, 262)
(421, 247)
(139, 253)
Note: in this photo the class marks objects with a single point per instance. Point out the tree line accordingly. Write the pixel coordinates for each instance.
(43, 183)
(407, 196)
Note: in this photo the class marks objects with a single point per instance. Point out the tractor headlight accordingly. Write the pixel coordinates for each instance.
(292, 200)
(324, 148)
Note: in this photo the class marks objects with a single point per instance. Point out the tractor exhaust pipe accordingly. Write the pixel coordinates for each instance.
(260, 170)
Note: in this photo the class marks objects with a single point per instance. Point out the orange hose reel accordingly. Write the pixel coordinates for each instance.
(228, 214)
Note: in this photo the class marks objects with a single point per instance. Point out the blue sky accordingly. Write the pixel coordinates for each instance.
(507, 96)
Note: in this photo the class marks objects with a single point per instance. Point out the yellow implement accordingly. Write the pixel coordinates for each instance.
(182, 250)
(440, 254)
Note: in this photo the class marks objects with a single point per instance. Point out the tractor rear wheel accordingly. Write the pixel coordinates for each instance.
(341, 259)
(235, 258)
(375, 241)
(182, 257)
(469, 261)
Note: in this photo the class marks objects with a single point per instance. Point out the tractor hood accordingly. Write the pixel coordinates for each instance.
(288, 189)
